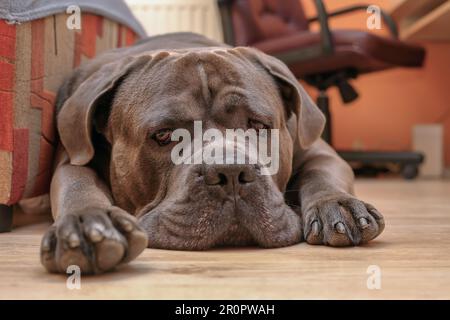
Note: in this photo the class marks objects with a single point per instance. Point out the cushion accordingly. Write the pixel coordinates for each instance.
(35, 57)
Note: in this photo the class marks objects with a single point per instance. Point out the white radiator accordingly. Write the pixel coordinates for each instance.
(162, 16)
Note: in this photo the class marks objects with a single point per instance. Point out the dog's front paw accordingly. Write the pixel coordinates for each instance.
(96, 240)
(341, 220)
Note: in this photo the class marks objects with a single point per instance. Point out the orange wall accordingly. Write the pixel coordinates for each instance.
(390, 102)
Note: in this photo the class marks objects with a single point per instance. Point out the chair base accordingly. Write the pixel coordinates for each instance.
(374, 162)
(6, 214)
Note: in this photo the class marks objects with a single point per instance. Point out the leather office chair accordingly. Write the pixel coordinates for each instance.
(323, 59)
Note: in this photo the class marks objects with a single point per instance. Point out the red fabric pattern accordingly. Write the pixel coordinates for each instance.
(20, 165)
(7, 71)
(43, 100)
(85, 40)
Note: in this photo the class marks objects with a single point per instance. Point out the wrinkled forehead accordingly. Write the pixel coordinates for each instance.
(209, 68)
(205, 70)
(189, 81)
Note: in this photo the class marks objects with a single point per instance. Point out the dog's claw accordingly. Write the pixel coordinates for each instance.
(126, 225)
(95, 235)
(340, 228)
(74, 240)
(363, 223)
(315, 228)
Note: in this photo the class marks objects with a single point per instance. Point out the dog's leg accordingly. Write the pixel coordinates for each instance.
(331, 213)
(89, 231)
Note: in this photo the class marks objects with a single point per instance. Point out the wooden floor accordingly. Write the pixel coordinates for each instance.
(413, 255)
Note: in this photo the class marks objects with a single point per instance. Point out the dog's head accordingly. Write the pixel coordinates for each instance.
(136, 103)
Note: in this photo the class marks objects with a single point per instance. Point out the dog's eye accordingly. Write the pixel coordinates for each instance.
(163, 136)
(257, 125)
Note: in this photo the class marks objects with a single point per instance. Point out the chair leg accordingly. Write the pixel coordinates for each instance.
(409, 162)
(323, 102)
(6, 213)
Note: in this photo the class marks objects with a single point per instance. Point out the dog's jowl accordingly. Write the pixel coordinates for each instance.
(116, 188)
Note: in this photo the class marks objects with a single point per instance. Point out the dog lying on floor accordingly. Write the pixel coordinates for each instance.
(116, 191)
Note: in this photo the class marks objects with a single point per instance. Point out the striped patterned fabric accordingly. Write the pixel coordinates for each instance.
(35, 57)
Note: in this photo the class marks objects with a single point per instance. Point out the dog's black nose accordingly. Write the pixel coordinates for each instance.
(229, 176)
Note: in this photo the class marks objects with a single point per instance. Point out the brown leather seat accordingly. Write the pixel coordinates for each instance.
(277, 27)
(258, 20)
(359, 50)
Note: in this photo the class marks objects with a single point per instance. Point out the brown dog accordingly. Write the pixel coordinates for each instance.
(115, 188)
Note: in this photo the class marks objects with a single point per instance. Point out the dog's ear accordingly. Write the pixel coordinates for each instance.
(310, 120)
(75, 119)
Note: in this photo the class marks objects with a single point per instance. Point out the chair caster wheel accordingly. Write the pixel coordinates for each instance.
(410, 171)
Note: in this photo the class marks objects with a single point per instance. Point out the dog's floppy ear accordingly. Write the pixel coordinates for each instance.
(75, 120)
(310, 120)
